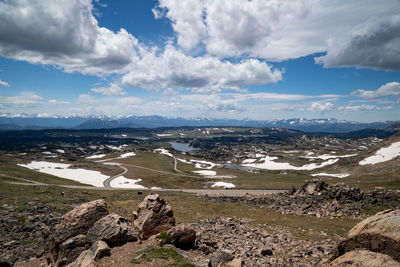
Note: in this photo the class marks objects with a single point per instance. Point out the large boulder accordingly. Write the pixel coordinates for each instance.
(153, 216)
(182, 236)
(379, 233)
(80, 219)
(364, 258)
(312, 187)
(113, 229)
(71, 249)
(87, 258)
(72, 225)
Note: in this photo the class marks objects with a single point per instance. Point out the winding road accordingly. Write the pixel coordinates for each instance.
(210, 192)
(107, 182)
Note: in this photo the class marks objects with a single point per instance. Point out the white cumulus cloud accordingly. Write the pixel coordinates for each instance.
(113, 89)
(22, 99)
(320, 107)
(63, 33)
(3, 83)
(174, 69)
(388, 89)
(360, 33)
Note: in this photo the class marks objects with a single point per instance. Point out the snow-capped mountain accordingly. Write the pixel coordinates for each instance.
(24, 121)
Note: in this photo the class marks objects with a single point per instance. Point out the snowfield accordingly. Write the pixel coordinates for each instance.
(123, 182)
(62, 170)
(200, 164)
(163, 152)
(269, 164)
(223, 184)
(206, 172)
(96, 156)
(337, 175)
(127, 155)
(383, 154)
(327, 156)
(249, 161)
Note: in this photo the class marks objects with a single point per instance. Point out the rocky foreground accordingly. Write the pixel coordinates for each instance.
(89, 235)
(317, 198)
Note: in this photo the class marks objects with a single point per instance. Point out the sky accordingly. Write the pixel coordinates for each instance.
(256, 59)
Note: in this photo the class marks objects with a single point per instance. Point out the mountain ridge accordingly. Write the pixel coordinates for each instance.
(43, 121)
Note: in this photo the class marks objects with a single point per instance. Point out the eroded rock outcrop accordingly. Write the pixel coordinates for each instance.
(113, 229)
(69, 239)
(87, 258)
(379, 233)
(182, 236)
(153, 216)
(362, 258)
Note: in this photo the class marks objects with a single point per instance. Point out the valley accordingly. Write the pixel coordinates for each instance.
(295, 191)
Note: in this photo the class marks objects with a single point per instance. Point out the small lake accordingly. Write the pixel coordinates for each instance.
(237, 167)
(183, 147)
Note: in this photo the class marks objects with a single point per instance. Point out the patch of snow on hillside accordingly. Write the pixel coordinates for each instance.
(206, 172)
(123, 182)
(62, 151)
(248, 161)
(127, 155)
(383, 154)
(62, 170)
(269, 164)
(201, 164)
(162, 135)
(96, 156)
(327, 156)
(163, 151)
(223, 184)
(337, 175)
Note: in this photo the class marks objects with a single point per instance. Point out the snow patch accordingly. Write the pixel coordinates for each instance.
(327, 156)
(96, 156)
(62, 170)
(383, 154)
(163, 152)
(337, 175)
(223, 184)
(206, 172)
(269, 164)
(62, 151)
(123, 182)
(248, 161)
(127, 155)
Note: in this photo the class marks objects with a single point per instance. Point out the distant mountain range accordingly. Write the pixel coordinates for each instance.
(45, 121)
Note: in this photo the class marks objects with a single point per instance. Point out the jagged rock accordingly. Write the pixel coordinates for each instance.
(240, 240)
(266, 252)
(70, 249)
(379, 233)
(182, 236)
(87, 258)
(221, 257)
(80, 219)
(74, 223)
(364, 258)
(232, 263)
(113, 229)
(312, 187)
(153, 216)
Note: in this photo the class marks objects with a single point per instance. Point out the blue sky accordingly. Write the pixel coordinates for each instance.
(259, 59)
